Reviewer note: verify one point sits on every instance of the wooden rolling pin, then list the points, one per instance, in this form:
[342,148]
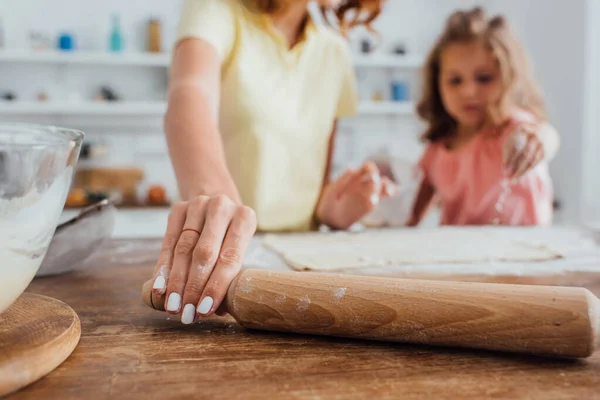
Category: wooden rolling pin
[541,320]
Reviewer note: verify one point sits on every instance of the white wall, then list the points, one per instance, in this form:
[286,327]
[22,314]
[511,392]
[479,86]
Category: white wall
[554,33]
[591,139]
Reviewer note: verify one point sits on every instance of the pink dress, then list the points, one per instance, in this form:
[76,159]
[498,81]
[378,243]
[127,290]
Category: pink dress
[469,183]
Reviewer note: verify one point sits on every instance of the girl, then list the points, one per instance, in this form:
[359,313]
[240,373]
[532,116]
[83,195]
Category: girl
[488,144]
[255,90]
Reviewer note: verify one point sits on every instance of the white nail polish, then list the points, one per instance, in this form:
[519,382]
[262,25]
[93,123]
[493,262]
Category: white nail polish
[205,305]
[374,199]
[376,179]
[174,302]
[390,191]
[188,315]
[159,283]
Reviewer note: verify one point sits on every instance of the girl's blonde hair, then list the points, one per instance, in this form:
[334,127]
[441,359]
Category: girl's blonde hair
[362,12]
[520,88]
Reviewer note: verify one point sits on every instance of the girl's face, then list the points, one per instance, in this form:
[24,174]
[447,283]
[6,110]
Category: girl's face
[470,83]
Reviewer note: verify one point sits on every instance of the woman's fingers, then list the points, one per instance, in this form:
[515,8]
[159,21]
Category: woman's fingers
[165,258]
[201,254]
[371,182]
[369,171]
[186,243]
[342,183]
[230,260]
[388,188]
[219,213]
[368,174]
[364,196]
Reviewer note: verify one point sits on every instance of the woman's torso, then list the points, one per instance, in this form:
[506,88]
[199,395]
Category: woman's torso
[276,127]
[277,111]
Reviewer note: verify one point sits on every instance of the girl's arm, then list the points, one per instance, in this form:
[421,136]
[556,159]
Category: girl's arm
[422,203]
[523,153]
[550,140]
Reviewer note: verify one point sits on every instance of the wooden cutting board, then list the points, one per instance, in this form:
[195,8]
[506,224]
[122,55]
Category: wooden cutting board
[37,333]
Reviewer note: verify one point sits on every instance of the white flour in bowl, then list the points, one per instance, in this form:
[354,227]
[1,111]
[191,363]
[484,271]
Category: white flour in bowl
[27,225]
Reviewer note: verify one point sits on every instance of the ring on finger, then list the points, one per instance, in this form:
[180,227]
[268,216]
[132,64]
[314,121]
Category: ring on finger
[191,230]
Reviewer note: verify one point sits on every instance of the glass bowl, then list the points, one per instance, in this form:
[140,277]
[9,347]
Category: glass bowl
[37,164]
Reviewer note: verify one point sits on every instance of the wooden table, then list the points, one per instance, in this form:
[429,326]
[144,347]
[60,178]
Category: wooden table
[129,351]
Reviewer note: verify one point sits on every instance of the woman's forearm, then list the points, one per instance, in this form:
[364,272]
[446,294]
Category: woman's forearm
[195,145]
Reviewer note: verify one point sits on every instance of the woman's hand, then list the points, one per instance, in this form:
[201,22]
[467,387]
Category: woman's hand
[201,254]
[352,196]
[523,150]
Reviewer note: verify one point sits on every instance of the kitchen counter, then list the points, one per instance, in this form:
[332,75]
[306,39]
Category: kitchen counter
[130,351]
[151,223]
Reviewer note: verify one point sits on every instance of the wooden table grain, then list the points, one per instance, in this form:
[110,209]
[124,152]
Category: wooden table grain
[129,351]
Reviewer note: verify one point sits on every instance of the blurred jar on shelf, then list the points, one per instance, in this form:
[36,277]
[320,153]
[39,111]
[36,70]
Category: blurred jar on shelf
[153,195]
[154,36]
[117,183]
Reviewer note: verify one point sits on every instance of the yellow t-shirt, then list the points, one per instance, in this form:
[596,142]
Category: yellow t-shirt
[277,107]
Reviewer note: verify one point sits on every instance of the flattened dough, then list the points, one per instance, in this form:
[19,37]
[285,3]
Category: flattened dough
[447,245]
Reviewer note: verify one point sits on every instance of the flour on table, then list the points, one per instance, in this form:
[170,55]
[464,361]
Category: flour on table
[447,245]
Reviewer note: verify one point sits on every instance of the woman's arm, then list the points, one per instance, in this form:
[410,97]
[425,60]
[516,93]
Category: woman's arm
[209,232]
[422,203]
[191,122]
[330,152]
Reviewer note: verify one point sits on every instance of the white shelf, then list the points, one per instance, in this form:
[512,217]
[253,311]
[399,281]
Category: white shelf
[164,59]
[83,108]
[388,61]
[387,107]
[158,108]
[85,57]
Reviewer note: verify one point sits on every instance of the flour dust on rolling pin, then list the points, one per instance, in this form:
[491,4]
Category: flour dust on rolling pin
[542,320]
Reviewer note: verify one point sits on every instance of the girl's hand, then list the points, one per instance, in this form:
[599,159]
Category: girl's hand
[422,203]
[201,254]
[352,196]
[523,150]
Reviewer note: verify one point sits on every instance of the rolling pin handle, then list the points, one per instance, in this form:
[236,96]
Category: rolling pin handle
[151,299]
[594,310]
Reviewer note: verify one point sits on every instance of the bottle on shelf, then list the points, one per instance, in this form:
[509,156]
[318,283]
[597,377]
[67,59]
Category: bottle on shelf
[66,42]
[400,91]
[116,36]
[154,36]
